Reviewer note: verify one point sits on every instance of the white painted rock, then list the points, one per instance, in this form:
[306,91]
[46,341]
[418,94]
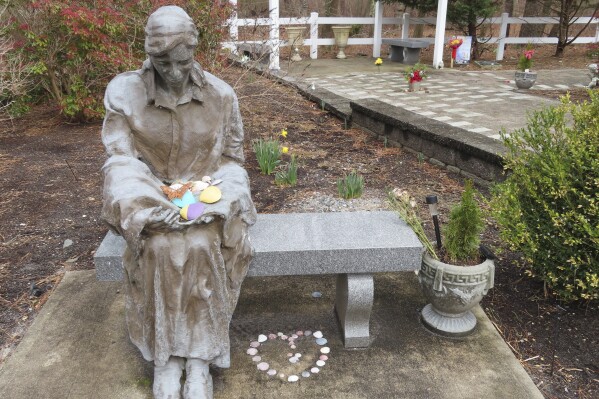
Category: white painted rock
[271,372]
[293,378]
[325,350]
[252,351]
[263,366]
[317,334]
[262,338]
[320,363]
[314,370]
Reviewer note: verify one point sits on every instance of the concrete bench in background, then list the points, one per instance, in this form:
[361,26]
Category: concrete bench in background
[352,245]
[255,51]
[406,51]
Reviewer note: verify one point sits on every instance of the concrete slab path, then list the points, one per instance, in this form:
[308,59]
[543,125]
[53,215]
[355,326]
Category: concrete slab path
[78,348]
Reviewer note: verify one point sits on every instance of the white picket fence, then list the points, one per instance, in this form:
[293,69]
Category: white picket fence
[314,20]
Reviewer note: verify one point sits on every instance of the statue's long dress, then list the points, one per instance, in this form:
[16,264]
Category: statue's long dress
[182,286]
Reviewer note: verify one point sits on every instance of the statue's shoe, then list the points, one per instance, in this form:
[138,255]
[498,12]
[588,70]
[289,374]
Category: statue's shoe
[167,379]
[198,381]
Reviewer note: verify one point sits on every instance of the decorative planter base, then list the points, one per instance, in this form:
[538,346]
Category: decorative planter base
[452,291]
[454,326]
[414,86]
[525,80]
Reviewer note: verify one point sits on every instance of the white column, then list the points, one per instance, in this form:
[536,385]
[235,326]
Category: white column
[440,34]
[233,28]
[502,36]
[313,35]
[274,43]
[378,29]
[597,31]
[405,25]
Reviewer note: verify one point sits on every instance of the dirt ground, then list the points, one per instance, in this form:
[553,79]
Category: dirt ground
[51,202]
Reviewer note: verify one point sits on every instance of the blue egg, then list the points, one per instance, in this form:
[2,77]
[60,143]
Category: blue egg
[187,199]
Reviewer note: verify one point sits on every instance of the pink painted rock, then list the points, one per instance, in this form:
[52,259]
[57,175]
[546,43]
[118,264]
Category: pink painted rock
[272,336]
[254,344]
[256,359]
[314,370]
[252,351]
[284,337]
[271,372]
[263,366]
[324,358]
[299,333]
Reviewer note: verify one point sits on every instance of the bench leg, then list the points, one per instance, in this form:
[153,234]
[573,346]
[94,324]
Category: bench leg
[354,297]
[396,53]
[411,56]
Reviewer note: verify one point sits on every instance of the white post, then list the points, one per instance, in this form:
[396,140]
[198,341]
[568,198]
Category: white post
[405,26]
[502,36]
[234,29]
[313,35]
[274,43]
[378,29]
[440,34]
[597,32]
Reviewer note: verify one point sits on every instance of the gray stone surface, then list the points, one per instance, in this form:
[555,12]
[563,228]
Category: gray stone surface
[311,243]
[406,51]
[354,294]
[108,258]
[332,242]
[77,348]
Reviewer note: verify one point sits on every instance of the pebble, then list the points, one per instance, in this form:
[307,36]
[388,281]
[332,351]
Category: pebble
[317,334]
[256,359]
[307,333]
[271,372]
[298,355]
[325,350]
[272,336]
[305,374]
[262,338]
[293,360]
[252,351]
[280,334]
[284,337]
[263,366]
[320,363]
[254,344]
[293,378]
[316,294]
[299,333]
[293,346]
[294,336]
[324,358]
[314,370]
[281,376]
[289,354]
[67,243]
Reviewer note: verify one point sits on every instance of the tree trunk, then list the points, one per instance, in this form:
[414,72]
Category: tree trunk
[533,8]
[472,32]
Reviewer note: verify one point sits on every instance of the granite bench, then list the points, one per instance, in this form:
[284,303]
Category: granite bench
[352,245]
[406,51]
[255,51]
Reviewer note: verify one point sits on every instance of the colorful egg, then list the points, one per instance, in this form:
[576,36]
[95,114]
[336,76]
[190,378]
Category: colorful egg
[210,195]
[187,199]
[192,211]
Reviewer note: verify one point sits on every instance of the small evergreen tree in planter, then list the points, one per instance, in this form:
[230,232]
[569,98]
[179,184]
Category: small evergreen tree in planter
[452,289]
[524,77]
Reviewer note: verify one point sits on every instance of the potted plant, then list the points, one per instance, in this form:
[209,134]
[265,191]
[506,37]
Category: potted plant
[457,282]
[524,77]
[414,75]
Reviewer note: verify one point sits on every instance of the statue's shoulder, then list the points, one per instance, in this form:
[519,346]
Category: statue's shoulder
[125,85]
[222,87]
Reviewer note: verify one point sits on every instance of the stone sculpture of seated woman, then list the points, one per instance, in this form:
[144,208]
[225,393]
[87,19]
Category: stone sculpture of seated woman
[172,122]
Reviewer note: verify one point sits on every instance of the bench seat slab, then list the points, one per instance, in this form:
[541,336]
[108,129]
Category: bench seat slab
[353,304]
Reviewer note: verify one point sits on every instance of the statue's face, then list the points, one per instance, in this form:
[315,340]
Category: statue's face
[174,67]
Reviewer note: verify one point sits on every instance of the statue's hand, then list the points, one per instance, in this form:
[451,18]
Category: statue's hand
[163,220]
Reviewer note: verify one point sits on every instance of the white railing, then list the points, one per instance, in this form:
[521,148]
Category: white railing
[405,21]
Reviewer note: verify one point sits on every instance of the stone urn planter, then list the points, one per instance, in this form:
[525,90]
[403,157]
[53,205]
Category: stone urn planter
[525,79]
[414,86]
[452,291]
[341,35]
[295,38]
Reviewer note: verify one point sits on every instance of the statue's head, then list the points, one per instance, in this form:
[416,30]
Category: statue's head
[171,38]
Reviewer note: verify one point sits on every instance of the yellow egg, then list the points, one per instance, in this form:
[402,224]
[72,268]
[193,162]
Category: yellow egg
[210,195]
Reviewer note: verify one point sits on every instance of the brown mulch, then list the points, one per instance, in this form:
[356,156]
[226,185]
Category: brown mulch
[50,174]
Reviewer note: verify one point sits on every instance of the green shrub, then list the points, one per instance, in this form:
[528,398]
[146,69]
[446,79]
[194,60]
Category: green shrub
[288,176]
[462,231]
[548,207]
[268,154]
[351,186]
